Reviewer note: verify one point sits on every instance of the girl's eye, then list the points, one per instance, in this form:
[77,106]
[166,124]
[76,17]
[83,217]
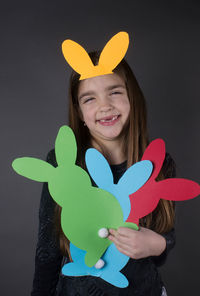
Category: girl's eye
[87,100]
[116,93]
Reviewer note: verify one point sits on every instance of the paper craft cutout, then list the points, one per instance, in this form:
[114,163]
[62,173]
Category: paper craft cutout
[134,178]
[85,208]
[145,200]
[112,54]
[114,262]
[131,181]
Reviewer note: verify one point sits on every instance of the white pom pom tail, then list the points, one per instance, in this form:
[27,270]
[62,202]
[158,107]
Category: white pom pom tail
[100,263]
[103,232]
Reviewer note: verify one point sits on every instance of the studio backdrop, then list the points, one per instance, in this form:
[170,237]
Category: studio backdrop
[164,55]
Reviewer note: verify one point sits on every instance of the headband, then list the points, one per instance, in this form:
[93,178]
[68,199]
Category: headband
[111,55]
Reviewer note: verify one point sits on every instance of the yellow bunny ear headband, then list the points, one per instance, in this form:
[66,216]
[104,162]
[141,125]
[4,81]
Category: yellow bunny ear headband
[110,57]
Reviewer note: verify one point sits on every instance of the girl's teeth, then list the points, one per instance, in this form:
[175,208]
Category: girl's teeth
[109,120]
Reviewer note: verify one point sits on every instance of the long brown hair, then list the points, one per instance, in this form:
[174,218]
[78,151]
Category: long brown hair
[136,140]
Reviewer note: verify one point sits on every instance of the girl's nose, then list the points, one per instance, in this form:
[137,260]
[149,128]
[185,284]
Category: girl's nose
[105,105]
[106,108]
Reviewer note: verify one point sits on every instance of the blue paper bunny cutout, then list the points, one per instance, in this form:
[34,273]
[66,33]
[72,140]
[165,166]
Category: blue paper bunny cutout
[134,178]
[110,272]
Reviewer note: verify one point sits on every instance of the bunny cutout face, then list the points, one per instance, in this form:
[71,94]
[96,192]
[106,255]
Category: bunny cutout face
[110,57]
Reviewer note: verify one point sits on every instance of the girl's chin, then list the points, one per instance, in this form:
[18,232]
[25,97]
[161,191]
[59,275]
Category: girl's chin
[107,136]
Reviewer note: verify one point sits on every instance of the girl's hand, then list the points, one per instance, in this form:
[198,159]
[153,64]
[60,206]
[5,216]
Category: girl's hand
[137,244]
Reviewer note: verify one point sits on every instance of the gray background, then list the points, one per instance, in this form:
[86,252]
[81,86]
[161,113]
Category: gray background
[164,54]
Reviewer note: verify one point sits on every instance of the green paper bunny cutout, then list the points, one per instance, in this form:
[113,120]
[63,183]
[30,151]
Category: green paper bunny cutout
[85,209]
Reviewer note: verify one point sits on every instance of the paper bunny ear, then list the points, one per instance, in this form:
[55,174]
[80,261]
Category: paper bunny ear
[111,56]
[114,51]
[33,168]
[98,168]
[155,152]
[177,189]
[135,177]
[65,146]
[77,57]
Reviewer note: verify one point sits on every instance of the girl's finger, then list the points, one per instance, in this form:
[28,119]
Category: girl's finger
[122,245]
[126,240]
[123,239]
[123,251]
[124,231]
[116,238]
[112,231]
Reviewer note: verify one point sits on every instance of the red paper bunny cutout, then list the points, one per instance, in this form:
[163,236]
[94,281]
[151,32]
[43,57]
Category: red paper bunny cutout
[145,200]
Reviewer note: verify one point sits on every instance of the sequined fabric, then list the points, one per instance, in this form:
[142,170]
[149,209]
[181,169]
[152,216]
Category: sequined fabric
[144,278]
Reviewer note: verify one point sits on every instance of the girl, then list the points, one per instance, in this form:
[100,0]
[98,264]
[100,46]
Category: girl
[108,113]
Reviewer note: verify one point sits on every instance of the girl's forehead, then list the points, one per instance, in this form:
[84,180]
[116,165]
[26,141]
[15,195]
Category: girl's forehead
[102,82]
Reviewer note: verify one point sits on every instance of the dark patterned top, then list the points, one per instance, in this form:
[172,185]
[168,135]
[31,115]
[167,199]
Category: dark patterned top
[142,274]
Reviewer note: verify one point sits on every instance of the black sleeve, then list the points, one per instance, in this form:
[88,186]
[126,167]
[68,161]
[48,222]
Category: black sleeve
[48,256]
[169,171]
[170,243]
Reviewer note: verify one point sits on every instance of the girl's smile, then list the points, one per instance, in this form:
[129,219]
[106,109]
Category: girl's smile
[109,120]
[104,106]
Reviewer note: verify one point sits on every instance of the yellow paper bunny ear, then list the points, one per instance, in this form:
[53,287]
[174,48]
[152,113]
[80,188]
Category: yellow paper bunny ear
[110,57]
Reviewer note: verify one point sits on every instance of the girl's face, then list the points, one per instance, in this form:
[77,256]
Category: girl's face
[104,106]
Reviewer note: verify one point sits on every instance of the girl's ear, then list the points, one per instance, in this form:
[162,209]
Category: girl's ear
[33,168]
[65,146]
[98,168]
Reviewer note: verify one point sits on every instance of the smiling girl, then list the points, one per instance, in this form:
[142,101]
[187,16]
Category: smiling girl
[104,108]
[107,112]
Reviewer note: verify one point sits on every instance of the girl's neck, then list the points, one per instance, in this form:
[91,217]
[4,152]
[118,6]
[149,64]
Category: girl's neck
[112,150]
